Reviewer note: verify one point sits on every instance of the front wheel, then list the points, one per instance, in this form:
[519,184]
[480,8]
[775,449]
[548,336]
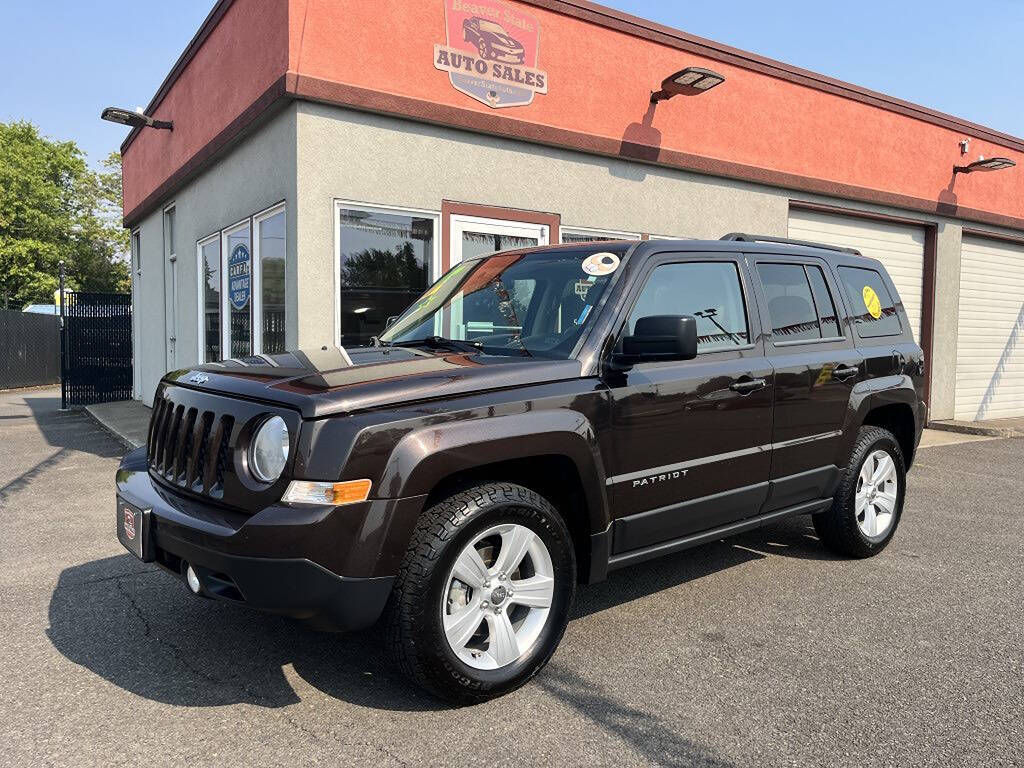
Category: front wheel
[483,596]
[869,502]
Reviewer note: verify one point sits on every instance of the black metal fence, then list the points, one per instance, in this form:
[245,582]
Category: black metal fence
[29,349]
[97,348]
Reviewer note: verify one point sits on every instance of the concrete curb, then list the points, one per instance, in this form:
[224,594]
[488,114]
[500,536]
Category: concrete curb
[113,427]
[976,428]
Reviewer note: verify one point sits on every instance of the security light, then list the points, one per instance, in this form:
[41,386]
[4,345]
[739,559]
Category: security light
[692,80]
[134,119]
[981,164]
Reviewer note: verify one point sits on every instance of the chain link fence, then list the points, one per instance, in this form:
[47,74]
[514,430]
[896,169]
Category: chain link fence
[29,349]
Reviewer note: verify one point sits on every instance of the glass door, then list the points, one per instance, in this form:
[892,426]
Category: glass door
[473,236]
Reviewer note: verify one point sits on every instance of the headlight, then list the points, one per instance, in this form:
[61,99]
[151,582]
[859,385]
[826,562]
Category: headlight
[268,452]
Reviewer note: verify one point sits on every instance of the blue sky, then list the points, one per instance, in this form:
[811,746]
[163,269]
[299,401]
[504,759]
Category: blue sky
[64,60]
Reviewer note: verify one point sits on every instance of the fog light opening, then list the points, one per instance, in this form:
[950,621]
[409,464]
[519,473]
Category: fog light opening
[192,580]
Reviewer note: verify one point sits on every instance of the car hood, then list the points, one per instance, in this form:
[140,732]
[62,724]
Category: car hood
[329,380]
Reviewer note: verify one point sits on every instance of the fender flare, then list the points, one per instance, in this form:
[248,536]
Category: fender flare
[424,457]
[872,394]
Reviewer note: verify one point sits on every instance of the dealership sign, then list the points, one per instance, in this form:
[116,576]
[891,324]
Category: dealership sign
[491,52]
[239,277]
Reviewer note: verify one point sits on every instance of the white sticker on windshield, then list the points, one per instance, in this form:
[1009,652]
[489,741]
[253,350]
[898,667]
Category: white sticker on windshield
[598,264]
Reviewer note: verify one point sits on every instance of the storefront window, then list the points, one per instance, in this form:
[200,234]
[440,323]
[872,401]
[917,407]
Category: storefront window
[238,251]
[209,266]
[271,235]
[385,260]
[569,235]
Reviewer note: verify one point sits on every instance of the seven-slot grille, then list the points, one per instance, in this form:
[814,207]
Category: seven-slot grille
[189,446]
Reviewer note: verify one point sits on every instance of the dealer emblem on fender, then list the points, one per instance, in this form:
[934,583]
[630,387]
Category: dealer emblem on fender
[491,52]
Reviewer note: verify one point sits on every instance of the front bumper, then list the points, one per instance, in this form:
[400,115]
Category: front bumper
[333,566]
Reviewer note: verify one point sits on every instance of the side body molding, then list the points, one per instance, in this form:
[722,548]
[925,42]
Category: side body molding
[425,456]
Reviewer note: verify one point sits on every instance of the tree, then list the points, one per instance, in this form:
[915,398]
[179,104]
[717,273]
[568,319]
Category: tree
[377,268]
[54,207]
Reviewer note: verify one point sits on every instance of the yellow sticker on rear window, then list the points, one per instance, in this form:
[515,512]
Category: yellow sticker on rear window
[871,302]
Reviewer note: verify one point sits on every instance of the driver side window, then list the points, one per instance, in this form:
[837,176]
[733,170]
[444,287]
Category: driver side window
[708,290]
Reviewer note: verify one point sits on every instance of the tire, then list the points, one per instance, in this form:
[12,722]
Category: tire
[484,49]
[845,529]
[429,598]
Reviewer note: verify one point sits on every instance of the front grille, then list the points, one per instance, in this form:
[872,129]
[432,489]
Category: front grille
[190,447]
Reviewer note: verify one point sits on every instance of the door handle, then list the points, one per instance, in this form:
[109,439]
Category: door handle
[844,373]
[746,386]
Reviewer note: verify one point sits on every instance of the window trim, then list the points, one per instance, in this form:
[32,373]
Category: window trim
[614,234]
[339,204]
[753,330]
[170,254]
[257,273]
[770,332]
[135,246]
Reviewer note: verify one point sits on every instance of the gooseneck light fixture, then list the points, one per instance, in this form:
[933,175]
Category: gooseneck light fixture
[981,164]
[692,80]
[134,119]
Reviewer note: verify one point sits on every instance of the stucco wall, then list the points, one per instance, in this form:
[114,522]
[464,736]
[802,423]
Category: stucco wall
[387,161]
[258,173]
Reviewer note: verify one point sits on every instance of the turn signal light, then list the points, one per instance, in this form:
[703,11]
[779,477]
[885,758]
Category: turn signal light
[336,494]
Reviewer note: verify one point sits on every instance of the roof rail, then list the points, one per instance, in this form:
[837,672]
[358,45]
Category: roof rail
[743,237]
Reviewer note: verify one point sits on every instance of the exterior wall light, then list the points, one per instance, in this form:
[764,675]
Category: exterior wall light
[981,164]
[692,80]
[134,119]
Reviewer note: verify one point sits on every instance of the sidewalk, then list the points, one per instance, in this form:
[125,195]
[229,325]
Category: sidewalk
[127,419]
[993,427]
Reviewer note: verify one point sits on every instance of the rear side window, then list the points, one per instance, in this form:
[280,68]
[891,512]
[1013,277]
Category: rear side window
[874,310]
[710,291]
[799,303]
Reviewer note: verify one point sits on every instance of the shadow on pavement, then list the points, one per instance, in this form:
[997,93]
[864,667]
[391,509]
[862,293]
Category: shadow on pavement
[73,430]
[138,627]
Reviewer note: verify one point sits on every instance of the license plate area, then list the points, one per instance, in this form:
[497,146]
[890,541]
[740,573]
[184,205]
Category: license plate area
[133,529]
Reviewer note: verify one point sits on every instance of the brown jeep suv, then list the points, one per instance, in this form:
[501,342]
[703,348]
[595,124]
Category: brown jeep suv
[536,419]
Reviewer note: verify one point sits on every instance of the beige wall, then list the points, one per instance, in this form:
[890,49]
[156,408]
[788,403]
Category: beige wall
[257,173]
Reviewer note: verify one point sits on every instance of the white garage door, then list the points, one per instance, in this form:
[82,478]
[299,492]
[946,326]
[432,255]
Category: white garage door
[899,247]
[990,338]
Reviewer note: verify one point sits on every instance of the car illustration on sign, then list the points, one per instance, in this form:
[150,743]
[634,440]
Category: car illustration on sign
[491,53]
[492,41]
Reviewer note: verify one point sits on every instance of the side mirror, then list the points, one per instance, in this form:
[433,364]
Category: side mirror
[659,338]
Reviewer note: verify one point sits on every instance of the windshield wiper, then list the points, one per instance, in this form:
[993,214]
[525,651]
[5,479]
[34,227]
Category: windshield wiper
[440,342]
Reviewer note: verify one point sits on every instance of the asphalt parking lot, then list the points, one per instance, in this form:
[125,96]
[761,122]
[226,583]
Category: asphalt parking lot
[760,650]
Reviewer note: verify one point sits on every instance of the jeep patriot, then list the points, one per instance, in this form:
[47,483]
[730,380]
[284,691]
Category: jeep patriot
[535,420]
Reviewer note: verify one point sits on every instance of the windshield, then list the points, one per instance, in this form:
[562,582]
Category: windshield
[529,304]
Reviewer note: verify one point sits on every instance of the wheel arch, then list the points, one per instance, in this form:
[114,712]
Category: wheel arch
[554,453]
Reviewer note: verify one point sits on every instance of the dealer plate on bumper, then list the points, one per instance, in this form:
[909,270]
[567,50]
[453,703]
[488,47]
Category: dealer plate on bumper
[133,526]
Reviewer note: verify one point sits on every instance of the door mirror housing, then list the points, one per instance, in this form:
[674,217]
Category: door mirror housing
[658,338]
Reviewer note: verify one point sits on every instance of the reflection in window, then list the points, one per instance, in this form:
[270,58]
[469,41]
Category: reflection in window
[790,304]
[874,311]
[710,291]
[239,290]
[209,262]
[823,303]
[384,265]
[272,265]
[578,236]
[481,243]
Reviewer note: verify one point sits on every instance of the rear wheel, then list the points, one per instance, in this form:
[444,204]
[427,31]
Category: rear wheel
[483,595]
[869,502]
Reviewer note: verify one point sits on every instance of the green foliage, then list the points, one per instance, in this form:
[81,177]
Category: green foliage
[377,268]
[54,207]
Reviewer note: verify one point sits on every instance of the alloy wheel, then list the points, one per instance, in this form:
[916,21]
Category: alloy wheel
[877,489]
[498,596]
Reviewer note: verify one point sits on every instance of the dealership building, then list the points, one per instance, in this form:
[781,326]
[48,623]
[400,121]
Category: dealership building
[329,159]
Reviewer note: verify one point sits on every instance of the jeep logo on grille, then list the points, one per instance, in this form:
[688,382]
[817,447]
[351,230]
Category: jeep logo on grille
[199,378]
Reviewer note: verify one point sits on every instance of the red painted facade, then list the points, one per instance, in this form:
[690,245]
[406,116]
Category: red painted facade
[762,123]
